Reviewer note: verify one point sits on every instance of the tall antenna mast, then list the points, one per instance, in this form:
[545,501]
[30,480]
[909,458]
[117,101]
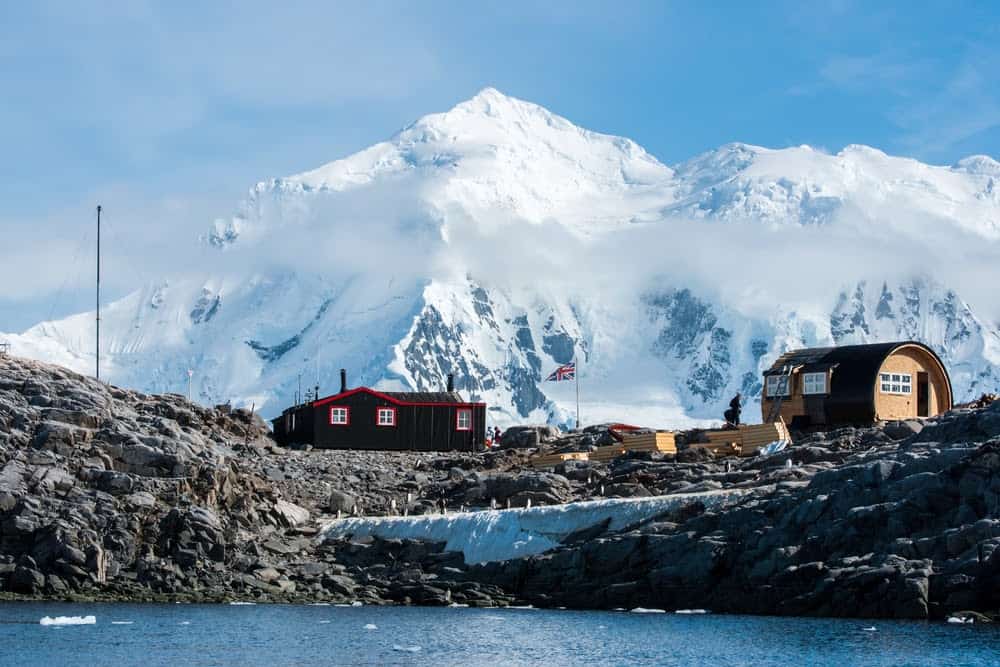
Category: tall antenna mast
[98,349]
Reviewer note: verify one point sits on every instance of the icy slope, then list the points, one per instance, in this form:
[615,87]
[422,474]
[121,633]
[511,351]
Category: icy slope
[498,240]
[498,535]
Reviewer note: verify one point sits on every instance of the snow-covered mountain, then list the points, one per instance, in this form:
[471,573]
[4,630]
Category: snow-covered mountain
[498,240]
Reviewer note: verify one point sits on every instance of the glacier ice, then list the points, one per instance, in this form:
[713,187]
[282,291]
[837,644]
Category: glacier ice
[497,535]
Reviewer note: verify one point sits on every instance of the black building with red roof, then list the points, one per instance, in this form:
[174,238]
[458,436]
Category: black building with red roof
[364,418]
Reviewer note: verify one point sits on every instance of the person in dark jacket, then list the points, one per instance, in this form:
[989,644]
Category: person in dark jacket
[732,415]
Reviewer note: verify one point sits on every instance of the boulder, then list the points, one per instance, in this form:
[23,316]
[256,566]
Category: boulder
[290,514]
[900,430]
[340,501]
[538,486]
[26,580]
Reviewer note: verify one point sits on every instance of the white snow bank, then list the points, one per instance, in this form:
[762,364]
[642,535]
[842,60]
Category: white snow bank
[960,619]
[691,611]
[496,535]
[68,620]
[644,610]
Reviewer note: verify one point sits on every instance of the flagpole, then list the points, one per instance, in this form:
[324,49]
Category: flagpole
[576,376]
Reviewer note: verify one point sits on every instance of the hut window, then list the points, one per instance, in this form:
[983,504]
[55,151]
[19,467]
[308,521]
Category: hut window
[463,420]
[386,417]
[896,383]
[340,416]
[777,385]
[814,383]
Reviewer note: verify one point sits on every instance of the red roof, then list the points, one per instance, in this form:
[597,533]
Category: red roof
[393,399]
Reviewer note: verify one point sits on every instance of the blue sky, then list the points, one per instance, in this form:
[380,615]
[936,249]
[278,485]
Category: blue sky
[168,112]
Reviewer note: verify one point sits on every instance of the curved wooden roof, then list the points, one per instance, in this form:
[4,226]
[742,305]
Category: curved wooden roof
[852,395]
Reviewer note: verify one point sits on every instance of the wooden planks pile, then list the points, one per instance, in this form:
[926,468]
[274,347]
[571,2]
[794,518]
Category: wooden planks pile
[717,448]
[658,441]
[745,441]
[605,454]
[552,460]
[756,436]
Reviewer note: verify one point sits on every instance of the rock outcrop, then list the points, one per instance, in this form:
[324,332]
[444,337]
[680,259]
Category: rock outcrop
[107,493]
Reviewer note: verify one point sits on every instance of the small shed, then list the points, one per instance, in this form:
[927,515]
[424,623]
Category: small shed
[856,384]
[363,418]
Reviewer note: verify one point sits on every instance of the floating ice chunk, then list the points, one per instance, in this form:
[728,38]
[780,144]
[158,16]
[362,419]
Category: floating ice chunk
[357,603]
[185,623]
[240,603]
[322,622]
[68,620]
[319,604]
[122,622]
[406,649]
[643,610]
[692,611]
[371,626]
[869,629]
[458,605]
[960,619]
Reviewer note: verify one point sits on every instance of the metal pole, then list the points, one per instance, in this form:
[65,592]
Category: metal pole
[576,376]
[98,347]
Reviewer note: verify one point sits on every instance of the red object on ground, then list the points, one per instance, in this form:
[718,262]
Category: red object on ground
[616,429]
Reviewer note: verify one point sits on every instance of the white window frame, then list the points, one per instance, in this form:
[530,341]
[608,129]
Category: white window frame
[336,419]
[380,412]
[898,384]
[813,383]
[775,384]
[459,414]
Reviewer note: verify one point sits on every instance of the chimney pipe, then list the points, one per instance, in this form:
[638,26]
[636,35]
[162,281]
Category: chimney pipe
[343,380]
[451,382]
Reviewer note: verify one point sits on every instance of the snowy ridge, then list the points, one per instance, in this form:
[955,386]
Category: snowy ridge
[497,240]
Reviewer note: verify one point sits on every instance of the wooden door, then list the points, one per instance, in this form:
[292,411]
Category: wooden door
[923,396]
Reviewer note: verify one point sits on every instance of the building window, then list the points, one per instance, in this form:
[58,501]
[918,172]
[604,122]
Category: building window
[463,420]
[814,383]
[340,416]
[385,417]
[896,383]
[777,385]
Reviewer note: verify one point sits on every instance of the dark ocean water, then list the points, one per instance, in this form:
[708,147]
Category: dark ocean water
[325,635]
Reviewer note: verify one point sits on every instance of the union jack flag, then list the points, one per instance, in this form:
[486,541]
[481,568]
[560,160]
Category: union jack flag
[564,372]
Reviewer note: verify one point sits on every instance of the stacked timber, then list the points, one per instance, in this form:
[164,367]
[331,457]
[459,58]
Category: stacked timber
[552,460]
[657,441]
[756,436]
[605,454]
[745,441]
[717,448]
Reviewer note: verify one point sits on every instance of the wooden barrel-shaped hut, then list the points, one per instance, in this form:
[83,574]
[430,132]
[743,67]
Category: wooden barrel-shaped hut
[856,384]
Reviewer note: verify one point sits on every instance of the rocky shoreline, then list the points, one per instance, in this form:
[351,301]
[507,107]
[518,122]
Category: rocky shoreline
[109,494]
